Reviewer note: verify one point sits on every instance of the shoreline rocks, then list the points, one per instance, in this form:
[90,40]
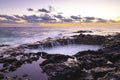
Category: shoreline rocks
[91,65]
[102,64]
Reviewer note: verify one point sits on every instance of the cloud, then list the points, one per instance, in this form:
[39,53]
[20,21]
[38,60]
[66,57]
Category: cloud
[51,8]
[76,17]
[30,9]
[31,18]
[58,16]
[101,20]
[37,19]
[7,21]
[88,19]
[112,21]
[47,18]
[11,18]
[19,17]
[43,10]
[66,20]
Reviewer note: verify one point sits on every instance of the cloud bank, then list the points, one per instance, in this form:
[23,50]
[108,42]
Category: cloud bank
[46,16]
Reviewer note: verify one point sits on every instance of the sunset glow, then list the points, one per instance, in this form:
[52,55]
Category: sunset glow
[57,12]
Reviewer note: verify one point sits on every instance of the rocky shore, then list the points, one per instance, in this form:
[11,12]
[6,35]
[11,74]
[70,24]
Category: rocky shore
[103,64]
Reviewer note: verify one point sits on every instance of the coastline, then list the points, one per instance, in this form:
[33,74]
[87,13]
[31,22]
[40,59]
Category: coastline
[102,64]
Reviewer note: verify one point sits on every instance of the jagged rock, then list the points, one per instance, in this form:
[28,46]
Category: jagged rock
[89,39]
[54,58]
[3,45]
[112,48]
[1,75]
[62,70]
[7,59]
[101,71]
[90,59]
[117,65]
[91,52]
[42,54]
[111,76]
[112,43]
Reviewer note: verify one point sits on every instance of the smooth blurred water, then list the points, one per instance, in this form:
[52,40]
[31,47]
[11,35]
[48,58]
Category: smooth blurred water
[70,49]
[20,35]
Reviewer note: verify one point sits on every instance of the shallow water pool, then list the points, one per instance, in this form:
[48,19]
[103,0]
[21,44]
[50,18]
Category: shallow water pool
[70,49]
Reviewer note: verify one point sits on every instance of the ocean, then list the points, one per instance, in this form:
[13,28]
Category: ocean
[21,35]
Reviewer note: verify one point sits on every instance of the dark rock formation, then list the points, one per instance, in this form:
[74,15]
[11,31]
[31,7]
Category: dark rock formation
[3,45]
[89,39]
[83,31]
[103,64]
[111,76]
[87,65]
[61,67]
[1,75]
[112,48]
[101,71]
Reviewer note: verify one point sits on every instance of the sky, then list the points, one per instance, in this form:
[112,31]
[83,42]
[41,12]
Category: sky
[61,10]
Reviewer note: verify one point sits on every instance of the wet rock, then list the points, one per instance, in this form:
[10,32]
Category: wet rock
[90,59]
[8,78]
[111,76]
[117,65]
[25,75]
[7,59]
[42,54]
[112,43]
[17,63]
[62,70]
[86,75]
[12,68]
[101,71]
[1,75]
[91,52]
[3,45]
[54,58]
[32,46]
[24,58]
[112,48]
[89,39]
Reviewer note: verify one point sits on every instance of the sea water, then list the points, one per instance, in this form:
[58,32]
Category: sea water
[21,35]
